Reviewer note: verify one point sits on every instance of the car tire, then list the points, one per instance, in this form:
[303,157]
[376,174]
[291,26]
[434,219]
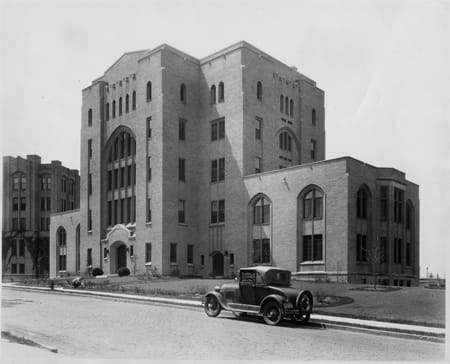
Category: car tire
[272,313]
[305,305]
[212,306]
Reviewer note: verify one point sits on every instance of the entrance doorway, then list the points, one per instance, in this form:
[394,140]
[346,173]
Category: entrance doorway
[217,266]
[121,256]
[117,256]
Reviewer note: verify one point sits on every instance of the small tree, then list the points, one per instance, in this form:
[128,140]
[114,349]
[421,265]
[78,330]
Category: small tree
[375,256]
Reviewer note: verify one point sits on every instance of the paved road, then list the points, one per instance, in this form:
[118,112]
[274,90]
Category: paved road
[103,328]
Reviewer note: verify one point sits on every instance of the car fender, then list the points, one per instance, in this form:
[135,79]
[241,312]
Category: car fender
[279,299]
[219,297]
[300,293]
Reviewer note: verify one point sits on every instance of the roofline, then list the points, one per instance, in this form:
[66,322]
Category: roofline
[169,48]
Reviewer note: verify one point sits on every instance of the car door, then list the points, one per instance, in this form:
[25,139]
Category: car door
[247,287]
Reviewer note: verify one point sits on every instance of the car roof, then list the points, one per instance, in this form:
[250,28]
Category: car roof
[263,269]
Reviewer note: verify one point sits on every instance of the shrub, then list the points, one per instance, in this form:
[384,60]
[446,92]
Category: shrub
[97,271]
[123,271]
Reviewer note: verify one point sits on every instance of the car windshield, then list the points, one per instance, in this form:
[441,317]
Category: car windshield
[278,278]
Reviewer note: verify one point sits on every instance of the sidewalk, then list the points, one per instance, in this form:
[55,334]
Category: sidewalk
[377,327]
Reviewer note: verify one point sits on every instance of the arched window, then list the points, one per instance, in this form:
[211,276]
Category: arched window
[286,105]
[260,241]
[261,211]
[313,204]
[362,203]
[114,109]
[62,249]
[291,108]
[120,177]
[120,106]
[285,141]
[183,93]
[107,111]
[89,117]
[221,92]
[281,102]
[259,91]
[134,100]
[149,91]
[313,117]
[212,95]
[127,103]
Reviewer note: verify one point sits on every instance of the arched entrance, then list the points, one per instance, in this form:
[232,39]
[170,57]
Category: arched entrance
[117,256]
[217,264]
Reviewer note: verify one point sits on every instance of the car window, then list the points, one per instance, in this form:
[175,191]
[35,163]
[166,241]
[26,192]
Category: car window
[248,278]
[278,278]
[259,279]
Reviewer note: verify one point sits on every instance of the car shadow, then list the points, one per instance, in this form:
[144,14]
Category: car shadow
[287,323]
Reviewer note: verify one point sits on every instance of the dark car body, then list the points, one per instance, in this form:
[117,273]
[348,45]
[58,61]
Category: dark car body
[262,290]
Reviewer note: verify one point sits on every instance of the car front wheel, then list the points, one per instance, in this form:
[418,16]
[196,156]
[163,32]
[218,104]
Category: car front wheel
[212,306]
[272,313]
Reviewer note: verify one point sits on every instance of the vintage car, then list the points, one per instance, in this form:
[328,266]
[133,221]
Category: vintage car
[261,290]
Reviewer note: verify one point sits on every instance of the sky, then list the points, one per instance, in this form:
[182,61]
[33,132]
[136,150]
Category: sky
[384,67]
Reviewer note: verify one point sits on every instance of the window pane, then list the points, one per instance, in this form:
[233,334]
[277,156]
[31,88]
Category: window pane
[307,248]
[307,208]
[256,251]
[318,206]
[318,247]
[266,214]
[266,251]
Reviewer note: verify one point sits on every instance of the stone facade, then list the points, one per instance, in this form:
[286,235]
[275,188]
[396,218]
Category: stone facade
[32,191]
[177,151]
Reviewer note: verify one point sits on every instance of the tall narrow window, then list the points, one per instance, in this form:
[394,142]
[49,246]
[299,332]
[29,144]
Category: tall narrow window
[149,91]
[90,183]
[120,106]
[383,203]
[214,212]
[221,128]
[361,248]
[190,254]
[134,100]
[258,165]
[181,129]
[361,203]
[90,117]
[89,148]
[149,210]
[127,103]
[181,169]
[398,205]
[281,103]
[23,183]
[214,170]
[173,252]
[261,211]
[114,109]
[107,111]
[221,92]
[149,127]
[383,250]
[313,117]
[62,249]
[221,169]
[89,222]
[183,93]
[286,105]
[15,204]
[291,108]
[148,252]
[221,211]
[313,145]
[261,251]
[258,128]
[313,205]
[181,211]
[259,91]
[149,168]
[212,95]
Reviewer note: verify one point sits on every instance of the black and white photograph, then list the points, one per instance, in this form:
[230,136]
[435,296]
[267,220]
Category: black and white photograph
[224,180]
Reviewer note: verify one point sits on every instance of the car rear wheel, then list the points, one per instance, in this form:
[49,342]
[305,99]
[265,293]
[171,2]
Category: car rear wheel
[272,313]
[305,304]
[212,306]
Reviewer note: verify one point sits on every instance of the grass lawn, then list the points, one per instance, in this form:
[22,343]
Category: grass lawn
[405,305]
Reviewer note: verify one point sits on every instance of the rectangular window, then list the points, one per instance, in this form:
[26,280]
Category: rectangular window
[109,213]
[182,129]
[397,251]
[90,183]
[14,248]
[214,212]
[42,223]
[221,210]
[214,170]
[361,248]
[258,128]
[23,204]
[16,183]
[313,149]
[149,168]
[23,223]
[49,203]
[221,128]
[131,251]
[110,180]
[231,259]
[202,259]
[398,205]
[122,210]
[89,148]
[257,165]
[190,254]
[129,175]
[47,227]
[15,204]
[21,248]
[89,257]
[408,253]
[148,252]
[15,223]
[181,169]
[23,183]
[89,222]
[105,253]
[116,178]
[122,177]
[214,131]
[221,169]
[312,247]
[218,129]
[173,252]
[261,251]
[383,203]
[149,210]
[21,268]
[149,127]
[181,211]
[14,268]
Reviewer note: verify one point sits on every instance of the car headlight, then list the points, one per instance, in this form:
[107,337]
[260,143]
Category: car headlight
[217,288]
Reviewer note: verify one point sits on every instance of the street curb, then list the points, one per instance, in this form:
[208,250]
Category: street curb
[20,339]
[329,321]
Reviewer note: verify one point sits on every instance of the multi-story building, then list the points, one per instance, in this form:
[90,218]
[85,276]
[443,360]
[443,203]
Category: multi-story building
[199,167]
[32,191]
